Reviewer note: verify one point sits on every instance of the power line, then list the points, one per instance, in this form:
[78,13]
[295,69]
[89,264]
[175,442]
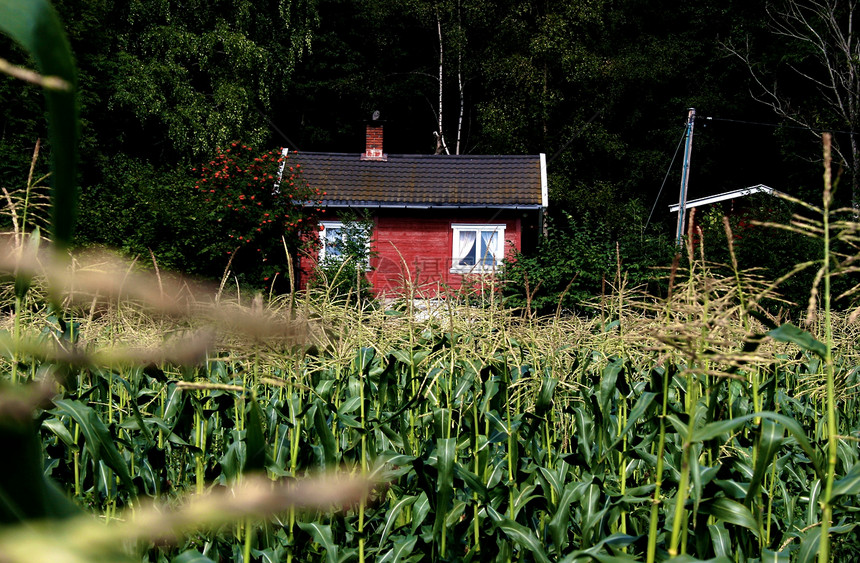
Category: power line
[668,170]
[577,134]
[278,131]
[780,125]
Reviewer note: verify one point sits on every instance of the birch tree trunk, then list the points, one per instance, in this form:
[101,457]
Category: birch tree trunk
[460,84]
[440,133]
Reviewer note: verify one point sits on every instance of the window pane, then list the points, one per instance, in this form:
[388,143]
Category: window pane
[488,247]
[468,249]
[333,238]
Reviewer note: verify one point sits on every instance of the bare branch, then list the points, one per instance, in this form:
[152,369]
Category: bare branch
[826,28]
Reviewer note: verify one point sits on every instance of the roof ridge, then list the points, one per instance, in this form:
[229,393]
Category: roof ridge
[420,156]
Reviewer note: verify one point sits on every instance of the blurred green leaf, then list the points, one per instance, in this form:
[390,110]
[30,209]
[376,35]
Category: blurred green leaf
[848,485]
[23,280]
[776,556]
[191,556]
[35,25]
[25,492]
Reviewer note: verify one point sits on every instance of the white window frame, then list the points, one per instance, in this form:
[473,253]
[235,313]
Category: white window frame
[326,225]
[478,229]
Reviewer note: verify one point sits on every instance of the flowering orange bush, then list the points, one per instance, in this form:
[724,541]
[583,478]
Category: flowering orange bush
[254,200]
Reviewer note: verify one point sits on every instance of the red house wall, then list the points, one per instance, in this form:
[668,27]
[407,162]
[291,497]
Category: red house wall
[420,248]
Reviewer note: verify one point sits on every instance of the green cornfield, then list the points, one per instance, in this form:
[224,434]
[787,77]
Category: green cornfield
[685,428]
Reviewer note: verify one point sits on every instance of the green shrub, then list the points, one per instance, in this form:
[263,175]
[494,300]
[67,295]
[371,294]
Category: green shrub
[577,261]
[768,252]
[342,272]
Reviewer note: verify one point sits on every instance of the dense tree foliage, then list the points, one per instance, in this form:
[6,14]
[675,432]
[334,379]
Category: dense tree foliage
[601,87]
[164,85]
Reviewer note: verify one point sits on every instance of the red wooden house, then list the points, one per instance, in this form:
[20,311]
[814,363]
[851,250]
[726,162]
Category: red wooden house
[437,220]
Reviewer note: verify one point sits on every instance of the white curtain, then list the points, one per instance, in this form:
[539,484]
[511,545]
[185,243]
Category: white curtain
[466,248]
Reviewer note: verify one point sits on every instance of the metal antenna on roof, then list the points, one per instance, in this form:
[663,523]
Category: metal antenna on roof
[375,115]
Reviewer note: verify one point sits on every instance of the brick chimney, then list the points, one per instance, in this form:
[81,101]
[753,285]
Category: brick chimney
[373,140]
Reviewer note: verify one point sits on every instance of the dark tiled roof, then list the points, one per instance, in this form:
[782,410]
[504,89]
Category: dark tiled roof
[423,180]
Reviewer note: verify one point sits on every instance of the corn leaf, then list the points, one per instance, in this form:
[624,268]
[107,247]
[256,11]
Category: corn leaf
[770,439]
[402,548]
[791,334]
[520,535]
[419,511]
[255,440]
[97,438]
[545,394]
[322,534]
[720,540]
[733,512]
[392,514]
[775,556]
[326,437]
[808,551]
[558,525]
[446,453]
[714,429]
[848,485]
[607,389]
[25,493]
[191,556]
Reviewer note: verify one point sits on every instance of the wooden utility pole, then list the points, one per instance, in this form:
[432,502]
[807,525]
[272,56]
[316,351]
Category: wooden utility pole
[685,175]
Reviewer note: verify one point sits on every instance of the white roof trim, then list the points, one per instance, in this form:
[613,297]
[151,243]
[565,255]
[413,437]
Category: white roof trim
[544,185]
[758,188]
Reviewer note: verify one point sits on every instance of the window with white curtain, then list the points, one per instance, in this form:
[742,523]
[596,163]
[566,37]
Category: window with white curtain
[477,248]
